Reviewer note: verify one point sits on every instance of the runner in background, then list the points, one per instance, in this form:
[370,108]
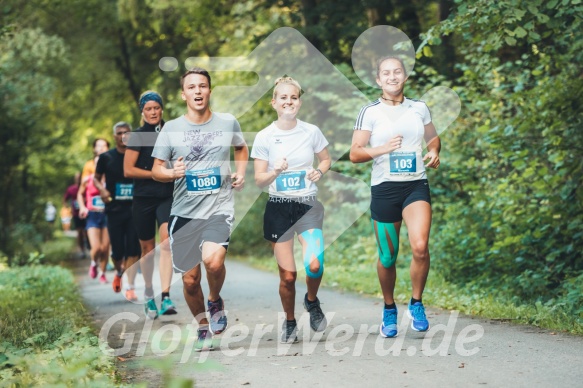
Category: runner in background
[66,215]
[50,213]
[117,194]
[151,204]
[70,199]
[91,208]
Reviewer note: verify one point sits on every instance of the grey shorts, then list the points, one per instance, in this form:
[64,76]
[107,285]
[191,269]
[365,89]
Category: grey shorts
[187,236]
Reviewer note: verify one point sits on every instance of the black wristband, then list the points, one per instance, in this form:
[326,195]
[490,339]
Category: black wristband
[320,171]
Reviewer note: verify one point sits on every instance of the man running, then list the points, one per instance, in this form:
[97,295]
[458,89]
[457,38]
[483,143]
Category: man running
[197,145]
[117,194]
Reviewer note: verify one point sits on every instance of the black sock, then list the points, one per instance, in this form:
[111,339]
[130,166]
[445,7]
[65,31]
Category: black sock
[291,322]
[310,302]
[390,306]
[413,301]
[165,295]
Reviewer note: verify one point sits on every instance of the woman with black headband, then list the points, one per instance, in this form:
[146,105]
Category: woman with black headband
[152,202]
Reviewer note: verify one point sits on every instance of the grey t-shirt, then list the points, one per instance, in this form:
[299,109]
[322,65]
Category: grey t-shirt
[206,188]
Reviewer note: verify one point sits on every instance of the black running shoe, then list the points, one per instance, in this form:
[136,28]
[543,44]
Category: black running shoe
[289,332]
[317,318]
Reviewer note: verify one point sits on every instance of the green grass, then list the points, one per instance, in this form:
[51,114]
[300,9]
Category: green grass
[58,249]
[44,338]
[357,273]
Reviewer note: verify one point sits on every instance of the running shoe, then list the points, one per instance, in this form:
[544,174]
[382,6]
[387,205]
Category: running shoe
[103,279]
[204,340]
[317,318]
[289,332]
[218,321]
[167,307]
[116,284]
[419,321]
[131,295]
[388,328]
[93,270]
[150,309]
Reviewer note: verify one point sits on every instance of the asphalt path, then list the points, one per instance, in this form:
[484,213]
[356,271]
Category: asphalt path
[458,351]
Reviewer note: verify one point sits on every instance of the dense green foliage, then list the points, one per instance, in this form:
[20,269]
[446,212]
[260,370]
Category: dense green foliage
[45,340]
[511,201]
[507,199]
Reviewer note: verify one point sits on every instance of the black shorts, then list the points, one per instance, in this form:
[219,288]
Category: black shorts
[285,216]
[388,199]
[187,236]
[147,211]
[122,235]
[79,223]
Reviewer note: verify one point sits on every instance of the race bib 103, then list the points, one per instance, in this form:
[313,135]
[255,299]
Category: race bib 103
[403,162]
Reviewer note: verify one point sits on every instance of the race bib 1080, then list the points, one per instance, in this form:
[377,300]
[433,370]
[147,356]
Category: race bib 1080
[203,182]
[290,181]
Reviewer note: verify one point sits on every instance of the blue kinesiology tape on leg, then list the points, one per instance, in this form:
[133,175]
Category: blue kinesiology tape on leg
[314,239]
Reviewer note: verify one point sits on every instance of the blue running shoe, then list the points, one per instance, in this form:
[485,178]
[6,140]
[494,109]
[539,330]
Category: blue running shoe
[218,321]
[204,340]
[167,307]
[388,328]
[150,309]
[417,314]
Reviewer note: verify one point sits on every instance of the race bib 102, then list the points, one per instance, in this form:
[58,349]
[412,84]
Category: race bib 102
[290,181]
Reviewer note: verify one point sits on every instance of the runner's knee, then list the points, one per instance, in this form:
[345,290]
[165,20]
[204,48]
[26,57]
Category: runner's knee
[288,278]
[191,280]
[419,250]
[214,267]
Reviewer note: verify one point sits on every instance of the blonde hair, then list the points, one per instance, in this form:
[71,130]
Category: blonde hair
[285,80]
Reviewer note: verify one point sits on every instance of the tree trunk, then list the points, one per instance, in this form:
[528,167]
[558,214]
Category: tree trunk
[124,64]
[311,18]
[446,65]
[377,12]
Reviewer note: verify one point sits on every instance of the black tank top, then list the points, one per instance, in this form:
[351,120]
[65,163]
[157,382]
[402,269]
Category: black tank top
[148,187]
